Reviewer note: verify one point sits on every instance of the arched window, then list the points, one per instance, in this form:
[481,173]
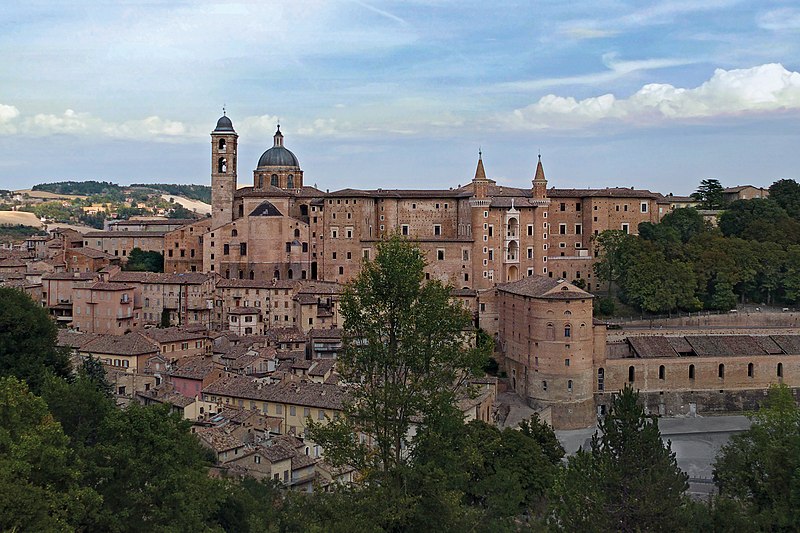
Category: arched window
[274,180]
[691,371]
[567,331]
[305,247]
[289,274]
[261,181]
[721,371]
[631,373]
[296,233]
[780,370]
[662,372]
[569,385]
[567,312]
[544,386]
[290,181]
[227,274]
[551,332]
[234,233]
[222,165]
[276,275]
[221,145]
[252,275]
[601,379]
[750,372]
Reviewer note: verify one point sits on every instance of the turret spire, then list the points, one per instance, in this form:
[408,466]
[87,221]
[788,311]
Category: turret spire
[539,181]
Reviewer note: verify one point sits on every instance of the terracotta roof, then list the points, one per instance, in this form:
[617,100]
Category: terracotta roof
[714,345]
[608,192]
[91,253]
[321,367]
[268,191]
[544,287]
[73,339]
[153,222]
[399,193]
[105,286]
[320,287]
[122,234]
[301,460]
[194,367]
[706,345]
[173,334]
[285,335]
[256,284]
[171,397]
[790,344]
[219,439]
[326,333]
[317,395]
[277,452]
[12,262]
[129,344]
[245,311]
[77,276]
[648,346]
[188,278]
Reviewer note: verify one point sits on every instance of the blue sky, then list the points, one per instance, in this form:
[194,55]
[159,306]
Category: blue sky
[655,95]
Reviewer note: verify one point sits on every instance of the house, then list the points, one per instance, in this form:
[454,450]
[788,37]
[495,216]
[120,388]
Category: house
[193,373]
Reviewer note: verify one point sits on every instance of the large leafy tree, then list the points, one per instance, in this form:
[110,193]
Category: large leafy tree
[760,468]
[407,353]
[710,194]
[759,219]
[614,252]
[39,476]
[28,340]
[628,481]
[786,193]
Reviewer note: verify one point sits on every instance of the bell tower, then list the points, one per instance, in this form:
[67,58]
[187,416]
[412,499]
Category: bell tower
[539,182]
[223,171]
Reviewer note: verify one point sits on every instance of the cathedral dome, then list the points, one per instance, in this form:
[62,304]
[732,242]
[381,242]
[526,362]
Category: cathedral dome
[278,155]
[224,124]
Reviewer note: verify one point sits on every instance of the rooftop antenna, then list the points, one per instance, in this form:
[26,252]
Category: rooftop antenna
[223,110]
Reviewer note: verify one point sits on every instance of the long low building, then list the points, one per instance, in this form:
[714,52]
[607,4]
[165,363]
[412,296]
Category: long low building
[560,359]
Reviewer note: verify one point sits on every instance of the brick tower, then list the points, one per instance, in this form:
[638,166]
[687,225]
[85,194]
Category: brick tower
[223,171]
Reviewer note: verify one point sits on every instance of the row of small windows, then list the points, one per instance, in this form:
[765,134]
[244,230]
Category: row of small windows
[662,373]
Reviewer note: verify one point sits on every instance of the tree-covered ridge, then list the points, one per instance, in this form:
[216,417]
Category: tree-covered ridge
[193,192]
[82,188]
[683,263]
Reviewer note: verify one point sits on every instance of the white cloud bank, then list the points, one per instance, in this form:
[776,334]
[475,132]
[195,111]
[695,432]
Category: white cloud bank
[765,88]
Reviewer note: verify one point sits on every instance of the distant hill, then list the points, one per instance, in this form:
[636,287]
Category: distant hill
[193,192]
[83,188]
[92,187]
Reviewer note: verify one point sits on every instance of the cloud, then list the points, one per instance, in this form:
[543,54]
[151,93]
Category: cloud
[760,89]
[588,33]
[75,123]
[780,19]
[616,69]
[7,115]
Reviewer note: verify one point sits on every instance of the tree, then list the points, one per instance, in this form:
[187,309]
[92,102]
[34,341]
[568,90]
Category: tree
[543,434]
[688,222]
[760,468]
[786,193]
[151,472]
[28,340]
[39,477]
[406,355]
[141,261]
[628,481]
[710,194]
[656,285]
[613,251]
[761,220]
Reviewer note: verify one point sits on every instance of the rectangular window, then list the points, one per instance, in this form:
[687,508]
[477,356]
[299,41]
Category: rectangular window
[577,207]
[404,228]
[530,253]
[530,229]
[625,227]
[226,249]
[292,410]
[349,233]
[437,229]
[562,206]
[491,231]
[440,255]
[465,255]
[562,229]
[243,248]
[644,207]
[578,229]
[491,254]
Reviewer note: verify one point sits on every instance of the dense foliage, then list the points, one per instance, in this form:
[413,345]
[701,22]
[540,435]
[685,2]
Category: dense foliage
[193,192]
[141,261]
[683,263]
[82,188]
[18,232]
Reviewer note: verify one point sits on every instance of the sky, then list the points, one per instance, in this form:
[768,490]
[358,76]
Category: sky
[652,95]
